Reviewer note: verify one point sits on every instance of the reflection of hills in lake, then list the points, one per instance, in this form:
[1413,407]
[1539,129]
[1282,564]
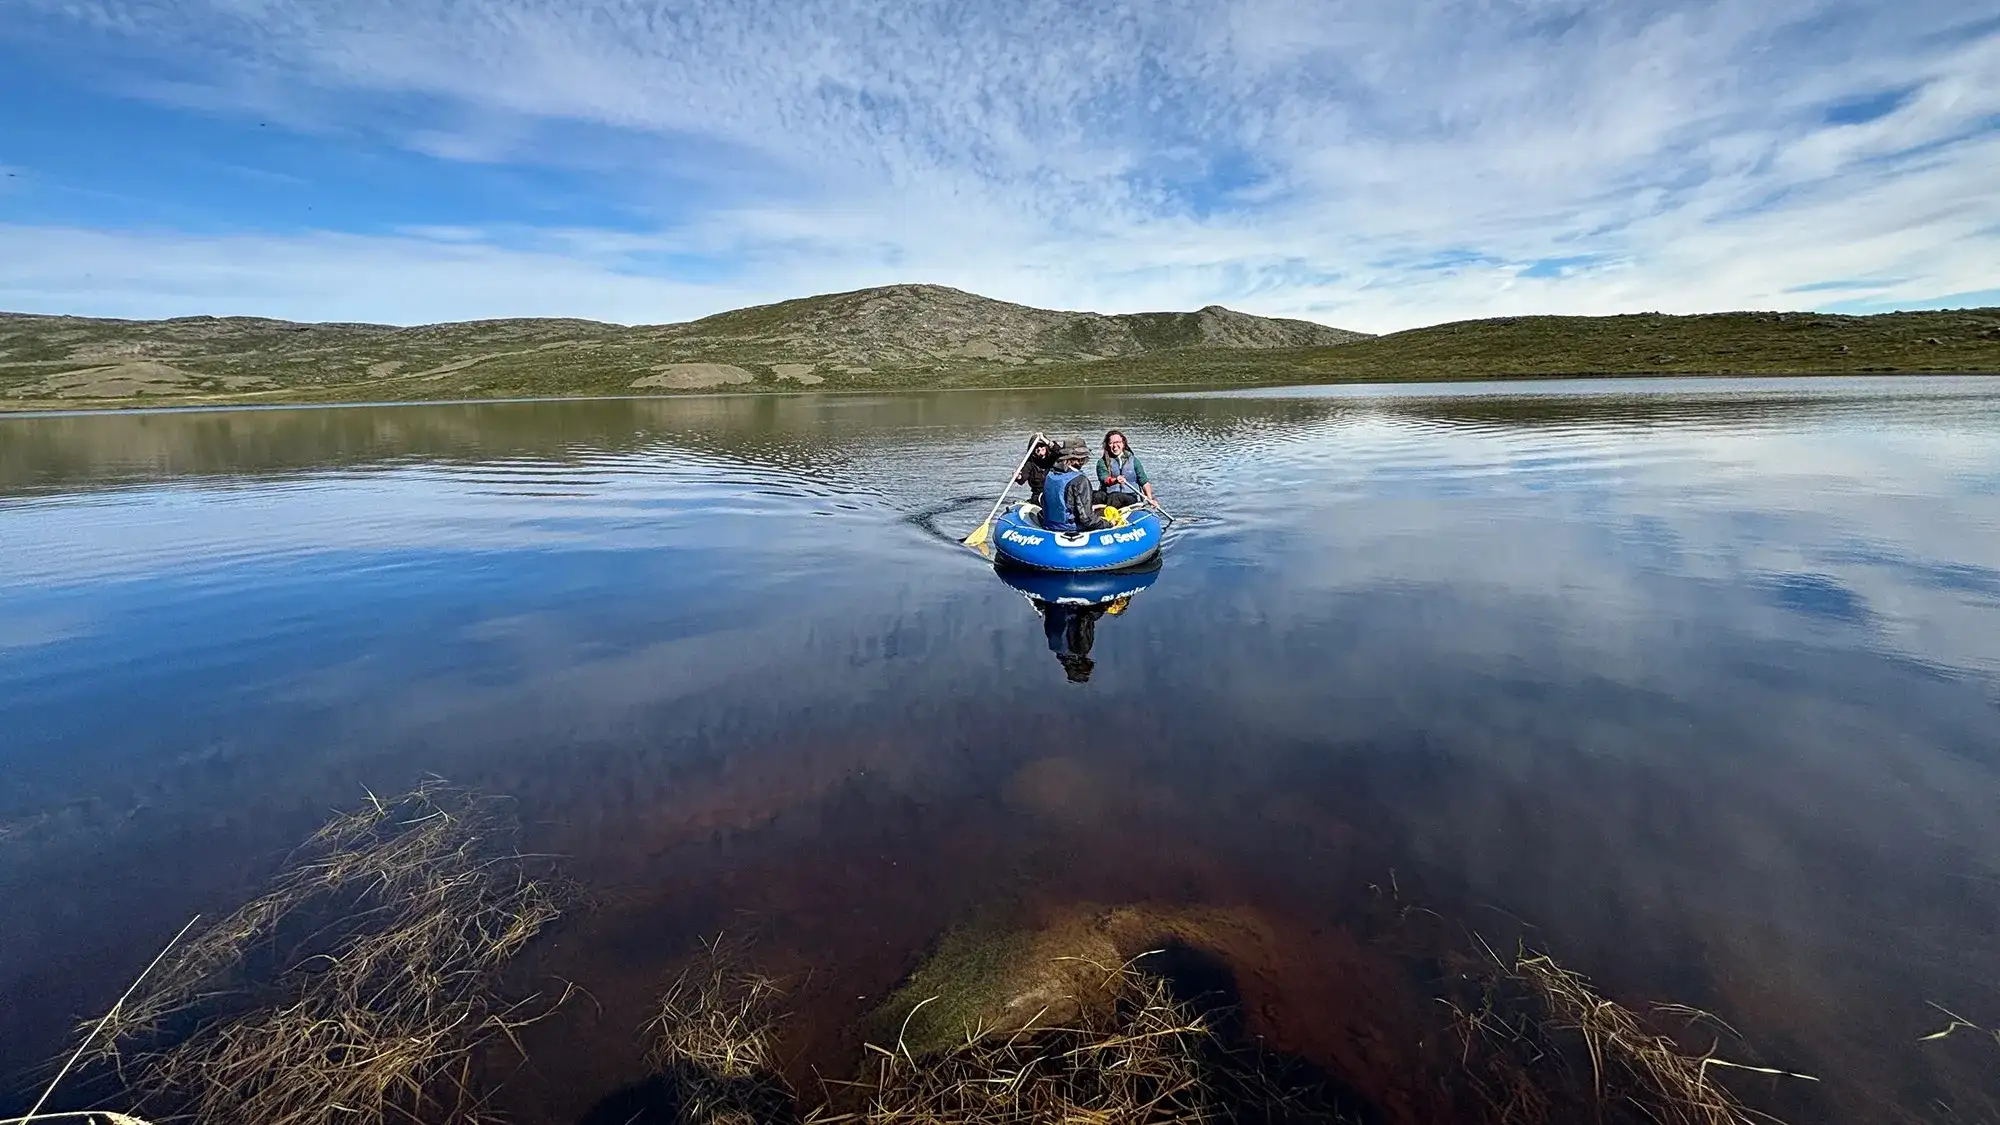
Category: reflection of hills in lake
[793,434]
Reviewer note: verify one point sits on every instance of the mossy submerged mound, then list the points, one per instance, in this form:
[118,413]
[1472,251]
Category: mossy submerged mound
[993,976]
[984,978]
[1063,1022]
[1131,1046]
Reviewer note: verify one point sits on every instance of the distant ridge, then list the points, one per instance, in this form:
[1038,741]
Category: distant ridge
[894,333]
[896,325]
[920,337]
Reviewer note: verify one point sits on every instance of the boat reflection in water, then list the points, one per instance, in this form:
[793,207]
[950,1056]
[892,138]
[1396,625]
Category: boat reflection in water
[1071,604]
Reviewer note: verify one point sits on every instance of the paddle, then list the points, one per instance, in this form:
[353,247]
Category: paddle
[985,527]
[1144,502]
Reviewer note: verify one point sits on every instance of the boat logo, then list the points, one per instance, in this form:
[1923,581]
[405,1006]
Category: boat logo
[1131,536]
[1012,536]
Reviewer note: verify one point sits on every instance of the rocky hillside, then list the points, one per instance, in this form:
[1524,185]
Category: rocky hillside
[922,336]
[899,335]
[906,325]
[1964,341]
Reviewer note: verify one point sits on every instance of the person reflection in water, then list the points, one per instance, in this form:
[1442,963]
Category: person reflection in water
[1071,630]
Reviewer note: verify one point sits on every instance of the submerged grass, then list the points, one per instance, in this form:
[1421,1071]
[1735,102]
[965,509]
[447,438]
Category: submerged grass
[79,1117]
[1526,1041]
[1150,1058]
[358,987]
[1541,1044]
[91,1039]
[719,1017]
[1959,1023]
[1653,1069]
[715,1041]
[1151,1061]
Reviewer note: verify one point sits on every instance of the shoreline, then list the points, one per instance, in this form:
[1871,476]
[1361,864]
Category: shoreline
[68,409]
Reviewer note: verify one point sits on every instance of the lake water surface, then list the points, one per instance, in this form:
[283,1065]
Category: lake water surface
[1694,683]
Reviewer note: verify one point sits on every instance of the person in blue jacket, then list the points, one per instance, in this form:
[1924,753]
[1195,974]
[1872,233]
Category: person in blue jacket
[1067,496]
[1120,476]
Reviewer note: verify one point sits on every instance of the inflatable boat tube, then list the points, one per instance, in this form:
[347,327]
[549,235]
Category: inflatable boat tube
[1019,539]
[1090,588]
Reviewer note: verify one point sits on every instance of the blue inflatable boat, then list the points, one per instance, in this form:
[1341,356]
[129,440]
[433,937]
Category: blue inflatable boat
[1019,539]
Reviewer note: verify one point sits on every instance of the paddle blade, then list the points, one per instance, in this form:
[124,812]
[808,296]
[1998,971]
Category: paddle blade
[979,534]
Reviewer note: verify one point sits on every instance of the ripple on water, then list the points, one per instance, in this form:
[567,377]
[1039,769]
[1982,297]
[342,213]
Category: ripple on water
[1696,678]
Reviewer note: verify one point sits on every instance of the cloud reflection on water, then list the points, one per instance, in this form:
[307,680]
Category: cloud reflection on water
[1703,687]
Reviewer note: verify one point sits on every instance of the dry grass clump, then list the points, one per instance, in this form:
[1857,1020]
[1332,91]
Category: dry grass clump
[77,1117]
[1517,1055]
[1959,1023]
[715,1039]
[1673,1085]
[1148,1063]
[357,988]
[1149,1059]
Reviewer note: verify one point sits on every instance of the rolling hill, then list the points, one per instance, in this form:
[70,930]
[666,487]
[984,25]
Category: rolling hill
[900,335]
[920,336]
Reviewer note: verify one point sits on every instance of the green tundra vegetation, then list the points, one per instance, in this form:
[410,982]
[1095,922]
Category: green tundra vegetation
[921,337]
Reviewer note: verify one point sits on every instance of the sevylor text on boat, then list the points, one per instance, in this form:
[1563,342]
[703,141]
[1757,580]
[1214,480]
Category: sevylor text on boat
[1019,539]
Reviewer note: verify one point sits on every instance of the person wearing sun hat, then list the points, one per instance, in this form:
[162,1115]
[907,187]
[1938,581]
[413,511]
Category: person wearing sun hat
[1066,494]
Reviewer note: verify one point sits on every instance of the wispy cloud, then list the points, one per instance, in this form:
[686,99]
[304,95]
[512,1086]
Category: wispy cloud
[415,277]
[1368,162]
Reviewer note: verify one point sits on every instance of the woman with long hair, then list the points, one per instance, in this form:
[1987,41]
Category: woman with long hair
[1121,477]
[1041,461]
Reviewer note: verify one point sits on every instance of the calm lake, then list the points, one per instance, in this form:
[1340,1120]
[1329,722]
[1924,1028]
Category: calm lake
[1695,684]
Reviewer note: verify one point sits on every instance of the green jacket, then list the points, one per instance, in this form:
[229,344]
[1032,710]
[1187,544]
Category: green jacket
[1128,466]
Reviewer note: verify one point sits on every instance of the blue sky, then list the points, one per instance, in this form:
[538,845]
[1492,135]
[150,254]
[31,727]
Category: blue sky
[1376,164]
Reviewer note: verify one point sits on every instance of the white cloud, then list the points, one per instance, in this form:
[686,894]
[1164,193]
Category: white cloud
[1311,157]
